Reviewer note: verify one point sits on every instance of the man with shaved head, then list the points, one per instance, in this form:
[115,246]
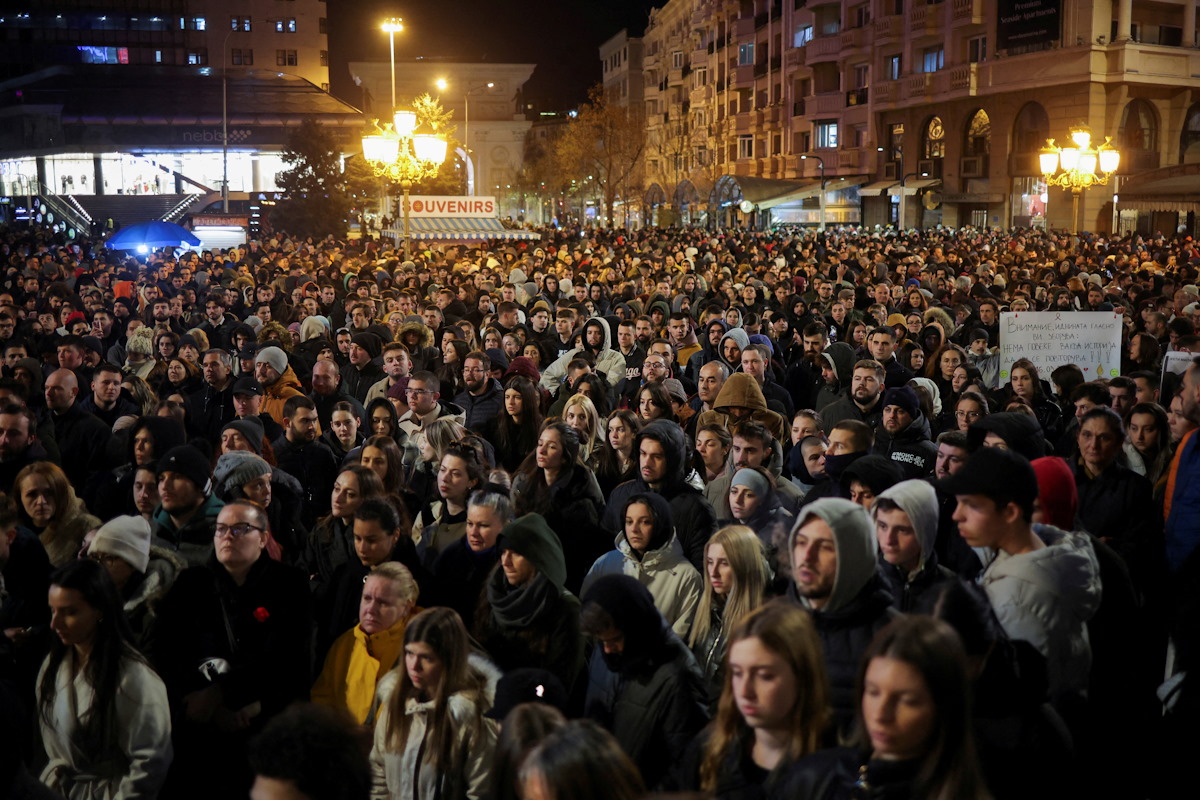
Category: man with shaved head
[82,438]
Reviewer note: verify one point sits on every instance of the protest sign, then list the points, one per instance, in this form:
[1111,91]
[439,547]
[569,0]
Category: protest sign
[1091,340]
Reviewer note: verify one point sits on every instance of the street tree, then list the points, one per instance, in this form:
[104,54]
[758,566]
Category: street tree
[603,145]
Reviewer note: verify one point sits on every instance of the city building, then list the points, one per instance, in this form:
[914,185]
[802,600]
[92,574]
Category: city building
[918,113]
[621,67]
[289,37]
[488,113]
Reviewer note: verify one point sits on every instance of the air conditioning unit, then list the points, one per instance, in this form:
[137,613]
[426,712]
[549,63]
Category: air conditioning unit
[891,171]
[925,167]
[971,167]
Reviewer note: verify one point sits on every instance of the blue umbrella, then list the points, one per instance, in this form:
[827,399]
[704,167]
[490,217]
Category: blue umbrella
[151,234]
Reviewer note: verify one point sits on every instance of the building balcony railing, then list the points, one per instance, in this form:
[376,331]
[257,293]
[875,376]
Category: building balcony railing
[794,57]
[743,77]
[965,77]
[856,97]
[918,86]
[824,48]
[918,14]
[743,27]
[967,12]
[826,103]
[853,38]
[888,28]
[849,159]
[886,92]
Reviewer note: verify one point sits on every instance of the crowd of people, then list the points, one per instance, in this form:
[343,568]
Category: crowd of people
[739,514]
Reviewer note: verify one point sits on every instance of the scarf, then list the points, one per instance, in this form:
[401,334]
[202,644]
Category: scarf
[520,606]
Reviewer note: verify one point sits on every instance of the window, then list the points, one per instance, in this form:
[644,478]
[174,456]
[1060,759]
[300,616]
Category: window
[324,58]
[862,15]
[827,133]
[198,58]
[746,54]
[802,36]
[933,58]
[894,69]
[240,24]
[198,24]
[323,25]
[677,59]
[700,77]
[285,58]
[745,146]
[158,57]
[803,142]
[241,57]
[977,49]
[285,25]
[862,74]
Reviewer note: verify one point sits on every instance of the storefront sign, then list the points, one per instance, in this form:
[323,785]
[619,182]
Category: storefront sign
[453,206]
[1091,340]
[1024,23]
[219,220]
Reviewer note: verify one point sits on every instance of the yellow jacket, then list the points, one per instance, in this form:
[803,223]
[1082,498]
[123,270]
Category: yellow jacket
[355,664]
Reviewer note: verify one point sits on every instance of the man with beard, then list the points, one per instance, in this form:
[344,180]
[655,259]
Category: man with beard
[863,403]
[483,397]
[903,435]
[597,345]
[362,372]
[644,685]
[310,461]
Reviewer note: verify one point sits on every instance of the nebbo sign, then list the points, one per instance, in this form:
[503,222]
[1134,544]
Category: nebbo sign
[451,206]
[1091,340]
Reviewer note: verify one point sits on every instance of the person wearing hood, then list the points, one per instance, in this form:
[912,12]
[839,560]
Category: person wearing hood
[713,332]
[143,573]
[754,502]
[753,446]
[110,494]
[849,441]
[644,685]
[1044,583]
[904,435]
[868,477]
[740,399]
[837,369]
[362,372]
[597,344]
[663,465]
[531,619]
[277,379]
[730,348]
[418,338]
[906,525]
[682,337]
[649,551]
[834,576]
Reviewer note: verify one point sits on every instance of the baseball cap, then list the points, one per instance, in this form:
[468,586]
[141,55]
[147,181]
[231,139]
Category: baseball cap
[247,385]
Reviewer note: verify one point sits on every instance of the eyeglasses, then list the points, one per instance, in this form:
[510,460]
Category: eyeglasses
[236,531]
[418,391]
[968,414]
[474,371]
[104,558]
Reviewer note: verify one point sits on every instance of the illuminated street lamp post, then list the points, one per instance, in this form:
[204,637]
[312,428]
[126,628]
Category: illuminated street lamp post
[391,27]
[821,164]
[443,84]
[1078,166]
[404,156]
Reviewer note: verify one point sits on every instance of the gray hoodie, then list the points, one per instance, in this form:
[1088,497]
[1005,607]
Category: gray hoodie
[918,500]
[854,540]
[743,341]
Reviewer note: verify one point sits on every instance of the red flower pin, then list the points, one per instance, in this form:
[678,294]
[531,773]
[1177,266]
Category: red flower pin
[261,614]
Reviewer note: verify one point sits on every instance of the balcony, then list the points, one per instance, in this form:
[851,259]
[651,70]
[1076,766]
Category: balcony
[967,12]
[743,28]
[743,77]
[824,48]
[853,38]
[965,78]
[826,103]
[849,159]
[772,115]
[888,28]
[760,21]
[794,57]
[886,92]
[798,108]
[856,97]
[919,86]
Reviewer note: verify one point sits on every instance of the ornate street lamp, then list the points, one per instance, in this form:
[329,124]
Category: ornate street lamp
[1078,167]
[396,151]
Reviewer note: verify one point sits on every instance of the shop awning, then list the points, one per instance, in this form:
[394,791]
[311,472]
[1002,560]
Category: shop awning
[1172,188]
[914,186]
[876,189]
[458,228]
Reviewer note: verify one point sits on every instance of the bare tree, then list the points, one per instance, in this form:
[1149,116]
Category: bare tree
[604,145]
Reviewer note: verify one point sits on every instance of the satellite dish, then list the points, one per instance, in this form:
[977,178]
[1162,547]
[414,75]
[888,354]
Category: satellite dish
[746,206]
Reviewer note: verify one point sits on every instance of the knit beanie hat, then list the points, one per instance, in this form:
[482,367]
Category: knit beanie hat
[141,341]
[128,538]
[251,429]
[275,357]
[237,468]
[369,342]
[905,398]
[188,462]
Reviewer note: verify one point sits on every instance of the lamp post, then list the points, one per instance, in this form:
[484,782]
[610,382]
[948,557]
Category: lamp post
[225,121]
[904,178]
[391,27]
[1076,166]
[820,163]
[398,152]
[443,84]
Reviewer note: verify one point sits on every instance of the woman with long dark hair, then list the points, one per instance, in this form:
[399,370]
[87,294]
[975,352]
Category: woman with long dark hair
[331,542]
[615,461]
[103,712]
[1149,435]
[515,429]
[915,737]
[432,739]
[1025,383]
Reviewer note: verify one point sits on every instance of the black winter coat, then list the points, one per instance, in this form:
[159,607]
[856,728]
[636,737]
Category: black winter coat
[910,448]
[572,508]
[316,467]
[920,594]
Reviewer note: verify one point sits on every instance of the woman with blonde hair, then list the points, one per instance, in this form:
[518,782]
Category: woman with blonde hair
[47,505]
[432,738]
[736,576]
[363,655]
[580,413]
[774,707]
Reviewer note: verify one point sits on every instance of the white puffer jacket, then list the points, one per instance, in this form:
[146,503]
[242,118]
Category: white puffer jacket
[673,582]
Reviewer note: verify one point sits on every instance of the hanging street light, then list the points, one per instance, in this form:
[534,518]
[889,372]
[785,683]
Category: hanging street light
[1079,166]
[396,151]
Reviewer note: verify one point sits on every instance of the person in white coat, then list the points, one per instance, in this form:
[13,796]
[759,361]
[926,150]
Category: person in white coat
[103,712]
[649,551]
[597,343]
[1044,583]
[432,739]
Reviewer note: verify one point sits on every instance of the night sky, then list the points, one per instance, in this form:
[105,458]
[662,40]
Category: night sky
[560,36]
